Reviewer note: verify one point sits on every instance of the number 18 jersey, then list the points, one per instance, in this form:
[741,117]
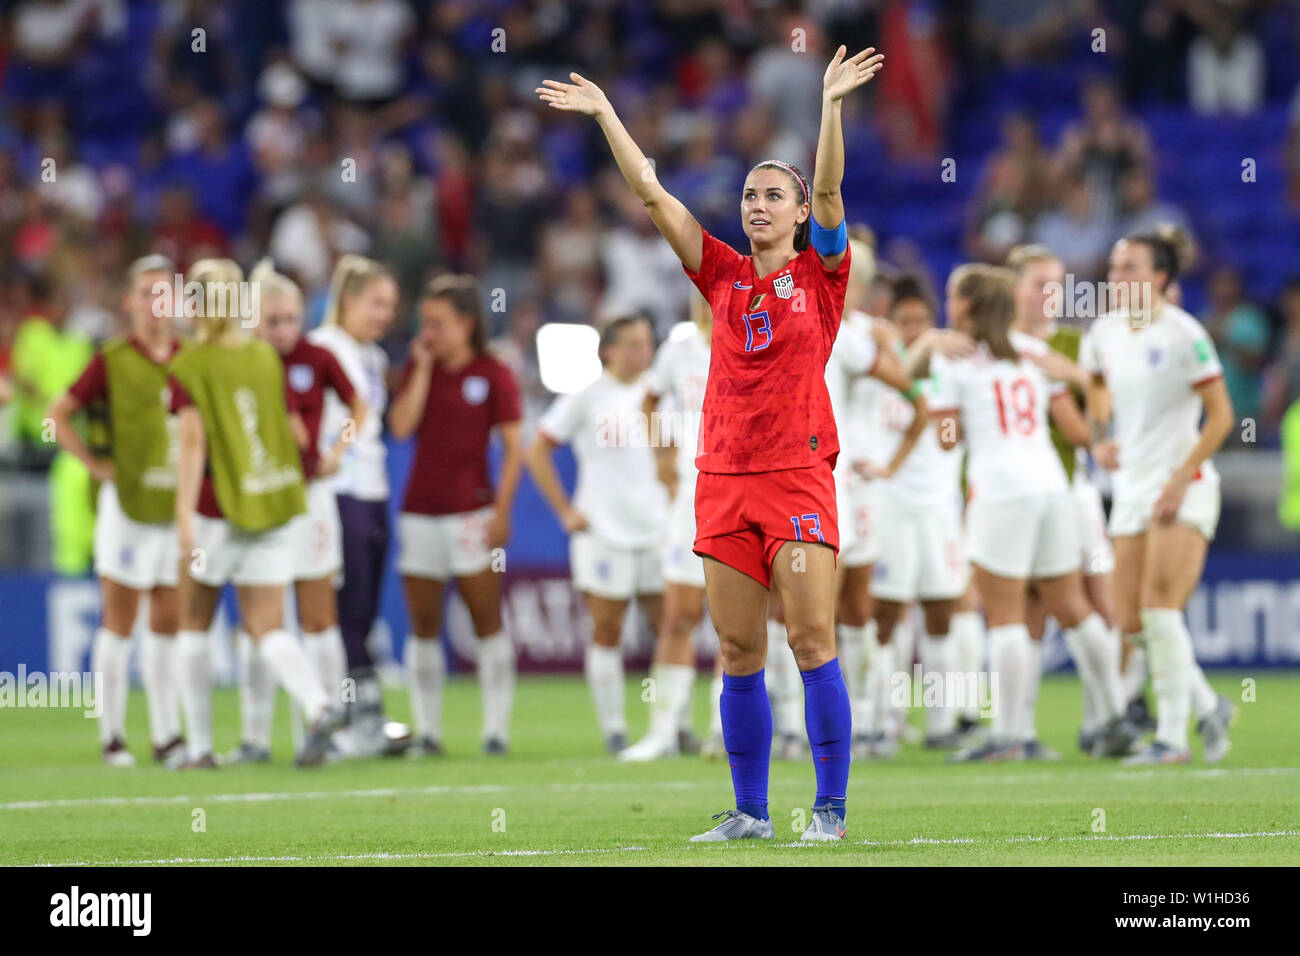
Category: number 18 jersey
[1004,416]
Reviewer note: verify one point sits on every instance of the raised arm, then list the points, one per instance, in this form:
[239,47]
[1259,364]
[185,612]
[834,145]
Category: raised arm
[842,77]
[671,218]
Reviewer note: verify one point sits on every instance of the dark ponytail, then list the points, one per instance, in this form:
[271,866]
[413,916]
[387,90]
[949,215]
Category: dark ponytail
[1172,250]
[801,231]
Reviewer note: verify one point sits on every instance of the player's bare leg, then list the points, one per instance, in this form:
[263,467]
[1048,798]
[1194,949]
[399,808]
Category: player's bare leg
[803,573]
[739,607]
[108,659]
[604,669]
[426,667]
[496,656]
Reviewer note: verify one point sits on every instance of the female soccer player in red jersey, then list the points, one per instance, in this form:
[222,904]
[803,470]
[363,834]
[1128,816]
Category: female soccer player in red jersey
[452,395]
[765,498]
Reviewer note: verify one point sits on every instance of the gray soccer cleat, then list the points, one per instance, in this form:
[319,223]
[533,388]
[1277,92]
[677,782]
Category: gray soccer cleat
[688,744]
[246,753]
[1213,729]
[1157,753]
[1035,749]
[425,747]
[317,746]
[1116,739]
[990,751]
[616,743]
[825,825]
[736,826]
[495,747]
[951,740]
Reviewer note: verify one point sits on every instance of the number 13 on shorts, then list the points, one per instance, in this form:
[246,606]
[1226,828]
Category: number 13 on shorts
[810,523]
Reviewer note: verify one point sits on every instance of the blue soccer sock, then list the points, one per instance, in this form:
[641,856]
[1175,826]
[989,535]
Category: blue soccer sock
[747,733]
[829,717]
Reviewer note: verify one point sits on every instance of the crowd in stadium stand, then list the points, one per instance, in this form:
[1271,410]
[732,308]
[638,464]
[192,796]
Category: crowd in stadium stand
[409,131]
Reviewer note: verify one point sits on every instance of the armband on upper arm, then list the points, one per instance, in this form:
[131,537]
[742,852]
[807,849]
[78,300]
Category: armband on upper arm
[828,242]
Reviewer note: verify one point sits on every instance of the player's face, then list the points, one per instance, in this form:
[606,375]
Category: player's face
[372,309]
[1033,289]
[1132,273]
[771,205]
[912,317]
[444,329]
[147,309]
[632,352]
[281,323]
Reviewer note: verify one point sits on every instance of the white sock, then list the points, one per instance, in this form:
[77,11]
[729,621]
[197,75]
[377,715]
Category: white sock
[880,675]
[715,706]
[496,679]
[604,667]
[686,699]
[857,651]
[1204,699]
[109,657]
[1010,661]
[672,683]
[1169,651]
[1093,708]
[256,692]
[325,648]
[1029,721]
[426,670]
[1135,676]
[1100,646]
[194,668]
[937,653]
[784,685]
[158,667]
[966,631]
[288,660]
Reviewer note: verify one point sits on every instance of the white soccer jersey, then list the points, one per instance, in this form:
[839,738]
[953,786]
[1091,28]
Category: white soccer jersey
[1152,373]
[618,491]
[681,370]
[363,471]
[853,357]
[929,476]
[1004,417]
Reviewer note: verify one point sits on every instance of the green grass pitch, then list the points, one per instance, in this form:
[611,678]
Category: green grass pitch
[557,799]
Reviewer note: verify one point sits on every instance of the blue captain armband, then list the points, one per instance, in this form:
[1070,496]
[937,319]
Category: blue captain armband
[828,242]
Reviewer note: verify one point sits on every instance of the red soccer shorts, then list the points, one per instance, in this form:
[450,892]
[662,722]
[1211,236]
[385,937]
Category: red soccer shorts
[743,520]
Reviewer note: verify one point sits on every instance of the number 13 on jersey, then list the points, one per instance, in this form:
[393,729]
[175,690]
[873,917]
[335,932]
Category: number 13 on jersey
[757,324]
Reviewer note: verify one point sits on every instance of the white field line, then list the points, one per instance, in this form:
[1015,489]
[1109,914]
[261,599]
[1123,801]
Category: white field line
[914,841]
[1213,773]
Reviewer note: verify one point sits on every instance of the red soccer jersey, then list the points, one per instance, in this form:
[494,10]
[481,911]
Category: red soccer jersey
[308,371]
[766,407]
[450,472]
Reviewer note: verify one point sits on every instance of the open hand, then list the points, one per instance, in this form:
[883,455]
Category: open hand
[580,96]
[844,76]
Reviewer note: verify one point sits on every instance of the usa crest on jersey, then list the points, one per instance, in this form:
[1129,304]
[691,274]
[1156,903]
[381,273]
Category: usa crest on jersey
[301,377]
[475,389]
[783,286]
